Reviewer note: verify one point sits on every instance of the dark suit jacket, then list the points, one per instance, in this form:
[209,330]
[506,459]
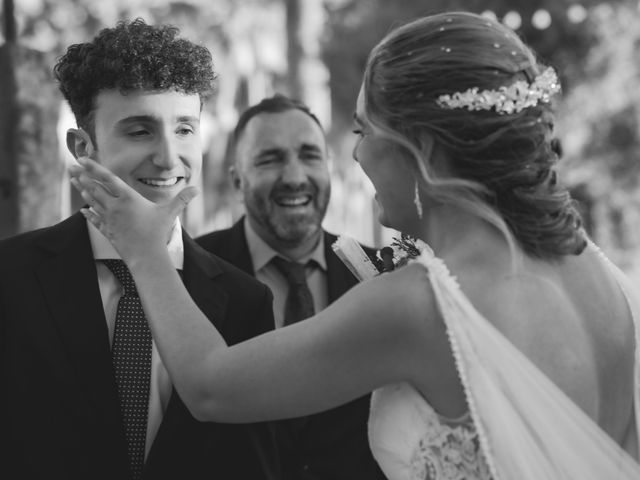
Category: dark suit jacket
[332,444]
[59,416]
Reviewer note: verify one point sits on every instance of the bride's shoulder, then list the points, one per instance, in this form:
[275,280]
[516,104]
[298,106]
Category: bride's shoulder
[408,279]
[405,292]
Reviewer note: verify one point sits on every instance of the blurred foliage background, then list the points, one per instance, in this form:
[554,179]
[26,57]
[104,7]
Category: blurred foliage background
[315,50]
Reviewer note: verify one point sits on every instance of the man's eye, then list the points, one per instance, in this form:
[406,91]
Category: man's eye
[357,131]
[138,133]
[185,131]
[266,160]
[311,156]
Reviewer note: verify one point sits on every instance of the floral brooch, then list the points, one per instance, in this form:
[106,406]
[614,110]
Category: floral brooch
[388,258]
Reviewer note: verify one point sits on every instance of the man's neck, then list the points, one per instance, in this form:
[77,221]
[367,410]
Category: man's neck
[292,251]
[300,250]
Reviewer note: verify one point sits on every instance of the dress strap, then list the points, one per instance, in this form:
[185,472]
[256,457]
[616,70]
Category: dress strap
[450,299]
[528,428]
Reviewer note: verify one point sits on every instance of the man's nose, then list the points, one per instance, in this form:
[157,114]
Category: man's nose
[166,153]
[294,172]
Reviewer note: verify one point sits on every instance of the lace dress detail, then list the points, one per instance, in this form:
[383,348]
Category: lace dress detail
[412,442]
[520,425]
[451,453]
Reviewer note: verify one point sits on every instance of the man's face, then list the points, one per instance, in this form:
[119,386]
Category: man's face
[151,140]
[281,170]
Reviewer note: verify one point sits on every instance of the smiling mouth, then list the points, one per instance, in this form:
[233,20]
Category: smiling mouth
[160,182]
[292,200]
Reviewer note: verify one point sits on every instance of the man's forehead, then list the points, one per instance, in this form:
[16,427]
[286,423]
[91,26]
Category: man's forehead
[291,126]
[117,105]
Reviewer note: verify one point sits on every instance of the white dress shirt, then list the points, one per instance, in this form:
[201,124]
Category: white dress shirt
[111,291]
[265,271]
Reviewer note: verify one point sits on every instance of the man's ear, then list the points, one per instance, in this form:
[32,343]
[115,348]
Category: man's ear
[79,143]
[236,181]
[235,178]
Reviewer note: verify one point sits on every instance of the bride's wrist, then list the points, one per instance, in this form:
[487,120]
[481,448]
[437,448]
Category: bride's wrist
[148,260]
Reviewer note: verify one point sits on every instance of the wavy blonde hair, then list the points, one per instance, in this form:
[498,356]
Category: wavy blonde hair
[502,165]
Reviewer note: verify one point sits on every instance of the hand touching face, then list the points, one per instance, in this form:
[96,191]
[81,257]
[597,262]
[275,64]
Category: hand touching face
[135,226]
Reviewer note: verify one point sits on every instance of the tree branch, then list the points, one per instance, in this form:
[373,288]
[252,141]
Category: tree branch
[10,31]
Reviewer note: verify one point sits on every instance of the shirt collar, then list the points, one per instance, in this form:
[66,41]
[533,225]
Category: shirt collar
[261,253]
[103,250]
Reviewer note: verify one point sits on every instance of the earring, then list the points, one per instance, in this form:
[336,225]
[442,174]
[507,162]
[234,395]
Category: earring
[417,201]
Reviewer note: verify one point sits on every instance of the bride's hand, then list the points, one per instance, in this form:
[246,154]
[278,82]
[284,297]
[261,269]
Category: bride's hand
[133,224]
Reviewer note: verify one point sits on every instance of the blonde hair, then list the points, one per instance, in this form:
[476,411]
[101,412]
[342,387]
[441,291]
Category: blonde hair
[502,164]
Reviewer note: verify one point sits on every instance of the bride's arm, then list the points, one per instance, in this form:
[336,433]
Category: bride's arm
[349,349]
[372,336]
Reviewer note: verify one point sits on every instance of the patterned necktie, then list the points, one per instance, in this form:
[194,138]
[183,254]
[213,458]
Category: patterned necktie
[131,355]
[299,303]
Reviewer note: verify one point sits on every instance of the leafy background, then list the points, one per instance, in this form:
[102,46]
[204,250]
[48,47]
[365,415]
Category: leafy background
[316,50]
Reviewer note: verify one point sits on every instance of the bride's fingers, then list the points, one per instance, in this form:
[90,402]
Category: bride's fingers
[101,194]
[90,190]
[96,207]
[75,170]
[92,217]
[111,183]
[180,201]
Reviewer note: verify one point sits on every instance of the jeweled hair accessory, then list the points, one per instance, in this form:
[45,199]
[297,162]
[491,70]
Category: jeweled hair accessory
[511,99]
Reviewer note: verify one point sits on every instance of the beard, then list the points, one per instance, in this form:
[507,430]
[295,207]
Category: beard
[293,229]
[288,228]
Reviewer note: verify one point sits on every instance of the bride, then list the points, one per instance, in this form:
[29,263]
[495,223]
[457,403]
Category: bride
[506,350]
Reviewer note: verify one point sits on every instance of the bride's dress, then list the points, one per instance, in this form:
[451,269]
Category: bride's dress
[520,425]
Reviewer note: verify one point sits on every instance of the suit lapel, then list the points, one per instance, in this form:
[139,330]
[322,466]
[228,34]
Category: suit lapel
[199,277]
[200,270]
[70,287]
[339,278]
[238,253]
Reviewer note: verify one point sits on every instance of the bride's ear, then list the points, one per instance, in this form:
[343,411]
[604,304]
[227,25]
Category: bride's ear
[428,148]
[79,143]
[436,160]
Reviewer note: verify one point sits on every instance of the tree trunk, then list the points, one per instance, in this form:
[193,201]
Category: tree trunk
[41,173]
[31,172]
[295,52]
[308,74]
[8,137]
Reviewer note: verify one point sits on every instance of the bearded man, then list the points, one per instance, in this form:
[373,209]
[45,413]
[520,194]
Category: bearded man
[280,171]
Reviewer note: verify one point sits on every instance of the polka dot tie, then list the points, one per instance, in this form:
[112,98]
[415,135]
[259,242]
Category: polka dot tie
[299,303]
[131,355]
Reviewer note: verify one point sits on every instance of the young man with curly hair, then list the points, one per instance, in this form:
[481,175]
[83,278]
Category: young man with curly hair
[86,394]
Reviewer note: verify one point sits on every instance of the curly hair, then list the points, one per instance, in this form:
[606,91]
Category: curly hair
[502,164]
[132,56]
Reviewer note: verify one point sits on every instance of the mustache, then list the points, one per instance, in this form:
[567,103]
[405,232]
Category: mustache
[304,188]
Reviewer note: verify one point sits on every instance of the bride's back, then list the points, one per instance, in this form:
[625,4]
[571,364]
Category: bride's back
[572,319]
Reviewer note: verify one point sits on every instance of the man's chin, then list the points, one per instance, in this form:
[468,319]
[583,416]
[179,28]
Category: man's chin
[295,234]
[159,196]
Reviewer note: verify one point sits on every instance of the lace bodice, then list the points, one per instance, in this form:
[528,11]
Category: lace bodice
[519,425]
[411,441]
